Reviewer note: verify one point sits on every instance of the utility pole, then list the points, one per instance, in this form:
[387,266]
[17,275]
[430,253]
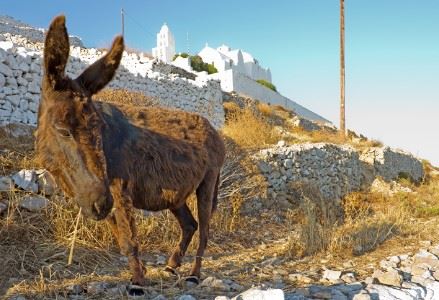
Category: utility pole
[187,41]
[342,73]
[123,23]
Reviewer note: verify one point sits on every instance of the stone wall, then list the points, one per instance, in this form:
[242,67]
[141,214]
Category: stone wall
[21,73]
[334,169]
[11,27]
[390,164]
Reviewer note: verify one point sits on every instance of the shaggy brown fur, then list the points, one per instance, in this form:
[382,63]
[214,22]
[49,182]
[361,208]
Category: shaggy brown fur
[147,158]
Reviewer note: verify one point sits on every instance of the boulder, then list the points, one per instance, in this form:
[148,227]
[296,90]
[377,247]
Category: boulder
[33,203]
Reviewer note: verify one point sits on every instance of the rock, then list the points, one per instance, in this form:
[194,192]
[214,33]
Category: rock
[331,275]
[387,264]
[96,287]
[425,244]
[426,257]
[159,297]
[300,278]
[348,278]
[385,292]
[281,143]
[390,277]
[257,293]
[26,180]
[19,297]
[3,207]
[33,203]
[363,295]
[222,298]
[6,184]
[6,45]
[215,283]
[75,289]
[5,70]
[161,260]
[186,297]
[46,183]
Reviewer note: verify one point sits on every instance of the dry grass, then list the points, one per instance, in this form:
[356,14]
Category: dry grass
[249,130]
[265,109]
[15,153]
[370,220]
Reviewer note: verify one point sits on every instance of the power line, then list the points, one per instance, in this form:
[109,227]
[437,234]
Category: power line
[138,23]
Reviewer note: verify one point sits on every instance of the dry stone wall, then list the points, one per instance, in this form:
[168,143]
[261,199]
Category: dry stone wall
[390,164]
[335,170]
[21,73]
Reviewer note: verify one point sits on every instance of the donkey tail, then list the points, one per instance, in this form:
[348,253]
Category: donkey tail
[215,195]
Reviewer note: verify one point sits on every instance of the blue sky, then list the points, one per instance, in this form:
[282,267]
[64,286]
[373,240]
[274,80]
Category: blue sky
[392,51]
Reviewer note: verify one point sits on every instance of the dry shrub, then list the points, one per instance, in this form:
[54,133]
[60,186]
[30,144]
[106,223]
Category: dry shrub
[366,232]
[231,108]
[327,137]
[371,218]
[241,181]
[250,131]
[319,219]
[265,109]
[119,96]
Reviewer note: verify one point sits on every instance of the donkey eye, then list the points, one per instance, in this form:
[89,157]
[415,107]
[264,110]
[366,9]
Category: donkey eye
[63,131]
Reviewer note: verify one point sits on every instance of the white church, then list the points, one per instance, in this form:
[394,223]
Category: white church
[165,49]
[223,57]
[237,72]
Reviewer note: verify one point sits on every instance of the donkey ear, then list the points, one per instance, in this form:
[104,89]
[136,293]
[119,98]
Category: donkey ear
[96,76]
[56,51]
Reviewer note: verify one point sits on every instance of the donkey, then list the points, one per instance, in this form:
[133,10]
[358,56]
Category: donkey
[111,158]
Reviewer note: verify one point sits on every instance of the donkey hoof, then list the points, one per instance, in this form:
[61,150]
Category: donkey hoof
[192,280]
[135,291]
[171,270]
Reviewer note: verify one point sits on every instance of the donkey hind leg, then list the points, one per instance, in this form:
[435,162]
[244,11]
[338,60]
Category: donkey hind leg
[188,227]
[205,197]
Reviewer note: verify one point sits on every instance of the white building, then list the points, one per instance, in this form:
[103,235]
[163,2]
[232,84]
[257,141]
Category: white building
[224,58]
[165,49]
[237,71]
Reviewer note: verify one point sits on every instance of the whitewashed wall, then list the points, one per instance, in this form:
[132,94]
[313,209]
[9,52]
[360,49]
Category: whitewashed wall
[21,73]
[237,82]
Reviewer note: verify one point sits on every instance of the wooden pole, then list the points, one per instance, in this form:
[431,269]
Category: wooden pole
[123,23]
[342,72]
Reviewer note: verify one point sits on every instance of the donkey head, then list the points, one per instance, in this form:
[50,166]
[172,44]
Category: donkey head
[69,137]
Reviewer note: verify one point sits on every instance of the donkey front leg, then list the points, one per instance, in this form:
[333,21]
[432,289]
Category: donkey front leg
[123,226]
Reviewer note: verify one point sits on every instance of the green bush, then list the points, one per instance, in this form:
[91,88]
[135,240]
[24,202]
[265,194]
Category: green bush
[184,55]
[199,65]
[211,69]
[267,84]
